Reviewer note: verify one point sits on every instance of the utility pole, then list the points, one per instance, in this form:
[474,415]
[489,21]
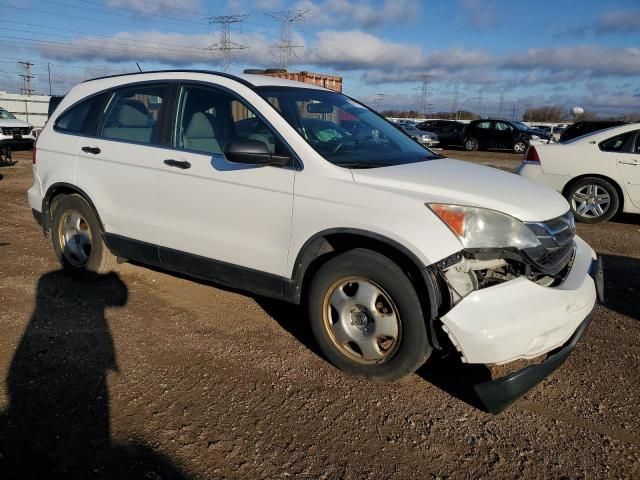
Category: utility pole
[424,94]
[515,110]
[501,105]
[26,78]
[285,46]
[379,98]
[49,71]
[225,46]
[479,98]
[455,112]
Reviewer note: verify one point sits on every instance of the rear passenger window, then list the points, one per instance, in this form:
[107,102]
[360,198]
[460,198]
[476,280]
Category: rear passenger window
[132,114]
[81,118]
[483,125]
[620,143]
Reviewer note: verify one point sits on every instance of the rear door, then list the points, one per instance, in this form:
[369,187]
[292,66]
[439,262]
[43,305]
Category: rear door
[629,164]
[118,167]
[214,215]
[502,135]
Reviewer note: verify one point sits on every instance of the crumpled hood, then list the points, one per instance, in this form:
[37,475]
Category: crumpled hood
[464,183]
[13,122]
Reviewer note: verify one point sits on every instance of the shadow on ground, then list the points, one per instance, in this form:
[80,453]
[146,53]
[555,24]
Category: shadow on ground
[57,425]
[622,284]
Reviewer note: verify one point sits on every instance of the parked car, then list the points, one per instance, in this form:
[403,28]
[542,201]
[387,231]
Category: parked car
[395,252]
[501,134]
[449,132]
[428,139]
[534,132]
[599,173]
[582,128]
[14,132]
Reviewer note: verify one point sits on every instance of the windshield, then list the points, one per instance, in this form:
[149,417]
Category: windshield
[521,126]
[5,115]
[343,131]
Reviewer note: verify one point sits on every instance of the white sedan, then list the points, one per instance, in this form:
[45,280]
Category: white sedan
[598,173]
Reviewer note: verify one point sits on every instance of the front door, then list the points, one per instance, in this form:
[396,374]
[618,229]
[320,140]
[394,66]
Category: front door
[212,209]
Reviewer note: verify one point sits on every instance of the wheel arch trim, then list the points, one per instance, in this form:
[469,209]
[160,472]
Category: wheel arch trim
[52,192]
[317,245]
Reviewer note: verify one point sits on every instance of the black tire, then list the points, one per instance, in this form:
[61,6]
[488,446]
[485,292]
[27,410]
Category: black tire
[599,185]
[520,146]
[412,347]
[471,144]
[99,259]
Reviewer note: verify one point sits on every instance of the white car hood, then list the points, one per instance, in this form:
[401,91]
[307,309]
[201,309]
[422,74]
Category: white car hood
[13,122]
[464,183]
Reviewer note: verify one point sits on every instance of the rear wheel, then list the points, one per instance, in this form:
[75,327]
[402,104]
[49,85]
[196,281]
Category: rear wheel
[593,200]
[367,317]
[77,237]
[471,144]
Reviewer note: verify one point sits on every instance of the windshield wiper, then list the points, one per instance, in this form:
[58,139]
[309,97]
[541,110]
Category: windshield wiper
[363,164]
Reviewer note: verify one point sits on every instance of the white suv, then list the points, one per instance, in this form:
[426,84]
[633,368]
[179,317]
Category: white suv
[252,182]
[15,132]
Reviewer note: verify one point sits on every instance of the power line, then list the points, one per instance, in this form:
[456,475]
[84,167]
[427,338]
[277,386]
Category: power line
[286,46]
[225,46]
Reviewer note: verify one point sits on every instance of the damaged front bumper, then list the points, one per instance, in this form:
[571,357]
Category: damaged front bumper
[521,319]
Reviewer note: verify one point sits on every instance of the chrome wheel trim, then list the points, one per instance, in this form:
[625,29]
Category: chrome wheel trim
[362,320]
[519,147]
[591,201]
[471,144]
[74,236]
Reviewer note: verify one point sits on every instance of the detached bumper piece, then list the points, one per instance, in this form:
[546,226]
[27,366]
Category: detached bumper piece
[496,395]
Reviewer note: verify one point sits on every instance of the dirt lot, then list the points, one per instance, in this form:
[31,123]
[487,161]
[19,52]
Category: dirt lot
[147,375]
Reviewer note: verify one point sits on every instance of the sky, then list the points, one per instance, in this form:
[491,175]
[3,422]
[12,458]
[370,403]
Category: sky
[572,53]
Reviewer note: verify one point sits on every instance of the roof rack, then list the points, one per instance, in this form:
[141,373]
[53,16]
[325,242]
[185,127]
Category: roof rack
[209,72]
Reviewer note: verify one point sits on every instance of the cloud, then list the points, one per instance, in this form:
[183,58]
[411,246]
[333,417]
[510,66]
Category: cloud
[583,60]
[360,13]
[619,21]
[479,14]
[173,7]
[614,22]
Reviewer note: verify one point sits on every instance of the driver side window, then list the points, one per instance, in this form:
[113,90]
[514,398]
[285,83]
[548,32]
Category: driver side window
[208,118]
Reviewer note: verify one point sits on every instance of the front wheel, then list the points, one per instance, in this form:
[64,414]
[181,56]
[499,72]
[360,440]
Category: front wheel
[77,237]
[519,146]
[593,200]
[367,317]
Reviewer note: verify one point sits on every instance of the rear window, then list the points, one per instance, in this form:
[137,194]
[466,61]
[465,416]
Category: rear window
[620,143]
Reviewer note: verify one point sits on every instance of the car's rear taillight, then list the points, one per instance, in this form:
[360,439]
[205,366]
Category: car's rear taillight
[531,156]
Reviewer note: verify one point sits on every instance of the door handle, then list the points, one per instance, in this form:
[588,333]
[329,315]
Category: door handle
[177,163]
[629,163]
[93,150]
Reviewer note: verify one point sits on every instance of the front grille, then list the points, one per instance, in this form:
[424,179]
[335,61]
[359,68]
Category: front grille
[556,243]
[16,130]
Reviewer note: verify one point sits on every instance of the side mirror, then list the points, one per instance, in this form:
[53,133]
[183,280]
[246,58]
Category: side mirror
[253,152]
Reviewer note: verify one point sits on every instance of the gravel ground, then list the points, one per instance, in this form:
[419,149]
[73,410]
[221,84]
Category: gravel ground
[152,376]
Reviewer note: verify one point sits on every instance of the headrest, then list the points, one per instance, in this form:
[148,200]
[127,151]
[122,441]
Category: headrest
[199,127]
[133,113]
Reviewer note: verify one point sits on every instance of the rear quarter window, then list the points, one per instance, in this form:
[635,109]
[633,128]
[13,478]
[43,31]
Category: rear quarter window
[81,118]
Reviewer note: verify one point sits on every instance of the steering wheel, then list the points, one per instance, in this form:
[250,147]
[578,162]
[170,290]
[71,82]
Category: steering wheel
[342,143]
